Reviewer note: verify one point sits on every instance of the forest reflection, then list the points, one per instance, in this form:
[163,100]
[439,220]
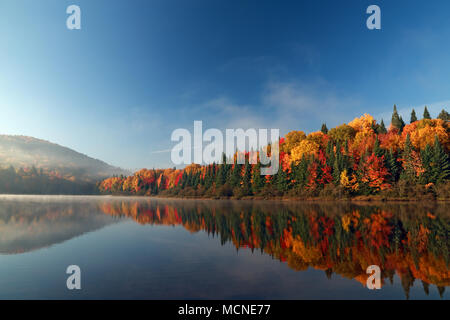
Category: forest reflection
[409,240]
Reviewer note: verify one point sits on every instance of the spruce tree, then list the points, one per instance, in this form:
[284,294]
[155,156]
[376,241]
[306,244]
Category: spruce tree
[426,156]
[444,115]
[257,179]
[236,177]
[409,173]
[324,128]
[396,120]
[281,181]
[377,149]
[381,128]
[336,172]
[426,114]
[440,162]
[413,116]
[246,179]
[391,165]
[329,151]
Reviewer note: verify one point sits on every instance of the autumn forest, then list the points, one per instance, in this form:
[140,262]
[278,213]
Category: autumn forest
[362,159]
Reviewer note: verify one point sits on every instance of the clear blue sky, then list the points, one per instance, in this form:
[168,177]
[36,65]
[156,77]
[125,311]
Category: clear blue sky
[137,70]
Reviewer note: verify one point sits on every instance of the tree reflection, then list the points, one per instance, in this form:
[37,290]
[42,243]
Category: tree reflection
[408,240]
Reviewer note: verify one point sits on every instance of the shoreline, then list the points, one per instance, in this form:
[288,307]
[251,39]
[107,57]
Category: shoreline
[360,199]
[357,199]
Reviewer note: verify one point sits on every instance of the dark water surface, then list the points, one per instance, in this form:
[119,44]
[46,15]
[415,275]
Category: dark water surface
[141,248]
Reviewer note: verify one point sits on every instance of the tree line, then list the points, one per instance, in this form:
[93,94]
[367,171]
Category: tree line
[39,181]
[361,158]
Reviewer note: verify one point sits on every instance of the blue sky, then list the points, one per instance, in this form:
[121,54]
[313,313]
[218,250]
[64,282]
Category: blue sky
[137,70]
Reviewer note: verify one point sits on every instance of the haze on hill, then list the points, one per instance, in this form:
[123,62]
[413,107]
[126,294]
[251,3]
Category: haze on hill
[28,152]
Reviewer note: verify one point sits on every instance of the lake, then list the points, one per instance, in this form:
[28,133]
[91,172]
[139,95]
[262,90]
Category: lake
[146,248]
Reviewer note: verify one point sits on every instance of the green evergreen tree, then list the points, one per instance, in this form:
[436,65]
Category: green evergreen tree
[426,114]
[222,172]
[281,181]
[408,173]
[377,149]
[246,179]
[413,116]
[396,120]
[381,128]
[257,179]
[426,156]
[440,163]
[444,115]
[392,165]
[329,152]
[336,172]
[324,128]
[236,177]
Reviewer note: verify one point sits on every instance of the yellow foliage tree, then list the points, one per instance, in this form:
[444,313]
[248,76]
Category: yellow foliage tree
[306,147]
[363,124]
[424,131]
[292,140]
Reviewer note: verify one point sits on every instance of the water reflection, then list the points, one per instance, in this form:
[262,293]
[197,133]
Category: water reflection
[405,239]
[33,224]
[408,240]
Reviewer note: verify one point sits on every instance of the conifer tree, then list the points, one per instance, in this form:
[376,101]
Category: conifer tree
[257,179]
[440,163]
[413,116]
[381,128]
[377,149]
[408,173]
[324,128]
[396,120]
[246,179]
[392,165]
[427,161]
[236,178]
[444,115]
[426,114]
[336,172]
[281,181]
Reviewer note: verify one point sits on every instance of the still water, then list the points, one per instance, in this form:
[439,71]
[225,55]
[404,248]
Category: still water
[141,248]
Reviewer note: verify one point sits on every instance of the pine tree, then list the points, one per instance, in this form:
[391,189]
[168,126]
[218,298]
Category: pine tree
[396,120]
[444,115]
[392,165]
[440,163]
[426,156]
[236,178]
[329,151]
[377,149]
[222,171]
[381,128]
[426,114]
[413,116]
[246,179]
[300,172]
[336,172]
[257,179]
[408,172]
[209,177]
[324,128]
[281,181]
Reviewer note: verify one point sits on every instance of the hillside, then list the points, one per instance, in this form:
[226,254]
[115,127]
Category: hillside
[28,152]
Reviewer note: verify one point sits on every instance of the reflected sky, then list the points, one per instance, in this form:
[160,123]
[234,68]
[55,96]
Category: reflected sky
[140,248]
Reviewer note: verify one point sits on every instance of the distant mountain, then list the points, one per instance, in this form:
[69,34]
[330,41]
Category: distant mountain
[28,152]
